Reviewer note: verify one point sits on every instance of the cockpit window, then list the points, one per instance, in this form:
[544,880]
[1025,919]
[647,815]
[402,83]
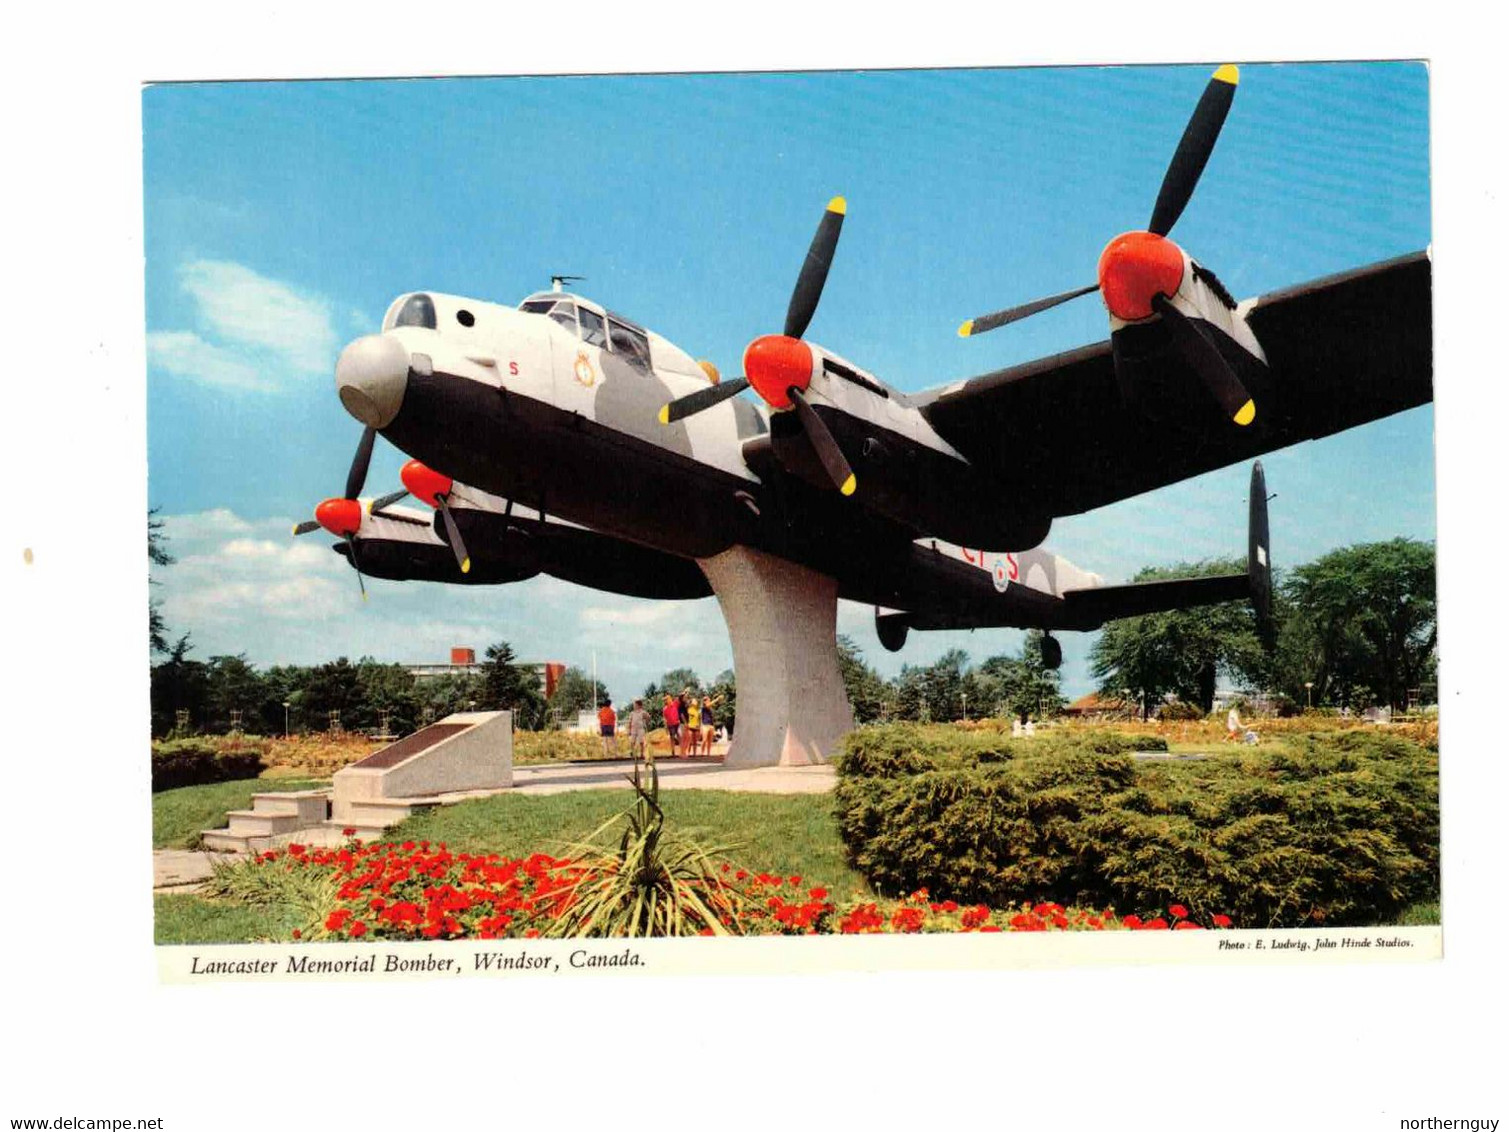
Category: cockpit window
[418,310]
[536,306]
[565,314]
[629,344]
[593,331]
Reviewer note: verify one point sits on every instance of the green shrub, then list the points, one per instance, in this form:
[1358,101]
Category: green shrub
[1339,828]
[194,762]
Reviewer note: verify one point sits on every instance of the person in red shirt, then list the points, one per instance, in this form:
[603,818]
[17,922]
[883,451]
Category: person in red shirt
[607,721]
[672,716]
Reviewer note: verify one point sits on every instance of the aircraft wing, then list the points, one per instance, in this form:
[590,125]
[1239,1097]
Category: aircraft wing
[1342,351]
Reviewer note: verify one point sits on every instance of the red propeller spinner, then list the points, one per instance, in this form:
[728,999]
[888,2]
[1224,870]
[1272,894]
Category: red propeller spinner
[776,364]
[341,517]
[424,483]
[1134,267]
[429,486]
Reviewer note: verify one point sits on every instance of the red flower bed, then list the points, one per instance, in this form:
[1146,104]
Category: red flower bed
[416,890]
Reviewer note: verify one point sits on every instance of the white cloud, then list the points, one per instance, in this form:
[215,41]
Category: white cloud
[249,309]
[252,333]
[631,614]
[184,354]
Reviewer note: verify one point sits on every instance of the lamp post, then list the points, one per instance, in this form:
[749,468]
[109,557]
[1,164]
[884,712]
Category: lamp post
[286,705]
[964,704]
[1308,685]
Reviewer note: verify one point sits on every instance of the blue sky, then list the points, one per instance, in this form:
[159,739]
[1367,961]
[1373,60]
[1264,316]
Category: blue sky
[281,218]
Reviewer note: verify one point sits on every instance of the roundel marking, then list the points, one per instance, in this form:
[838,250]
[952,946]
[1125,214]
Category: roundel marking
[583,370]
[1000,575]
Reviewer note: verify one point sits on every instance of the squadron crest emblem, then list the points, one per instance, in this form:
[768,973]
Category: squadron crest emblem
[583,370]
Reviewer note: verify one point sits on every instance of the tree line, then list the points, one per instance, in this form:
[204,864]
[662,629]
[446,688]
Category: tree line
[1352,629]
[1355,628]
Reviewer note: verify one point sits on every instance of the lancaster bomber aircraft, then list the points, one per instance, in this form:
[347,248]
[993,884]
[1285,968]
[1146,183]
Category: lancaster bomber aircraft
[548,437]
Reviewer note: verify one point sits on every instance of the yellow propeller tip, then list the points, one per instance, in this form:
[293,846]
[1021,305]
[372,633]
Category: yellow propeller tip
[1227,74]
[296,529]
[838,205]
[1245,414]
[665,414]
[966,328]
[848,485]
[466,567]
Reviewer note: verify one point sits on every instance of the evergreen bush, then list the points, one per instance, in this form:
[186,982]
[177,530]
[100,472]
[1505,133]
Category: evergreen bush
[194,762]
[1329,828]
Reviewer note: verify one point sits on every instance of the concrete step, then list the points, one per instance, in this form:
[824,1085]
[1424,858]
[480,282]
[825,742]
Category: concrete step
[376,812]
[310,806]
[224,841]
[249,823]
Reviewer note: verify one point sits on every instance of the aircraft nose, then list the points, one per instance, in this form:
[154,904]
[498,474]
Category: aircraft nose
[371,375]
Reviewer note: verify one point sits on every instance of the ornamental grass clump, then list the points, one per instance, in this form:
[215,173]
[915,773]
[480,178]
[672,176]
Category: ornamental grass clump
[306,893]
[657,882]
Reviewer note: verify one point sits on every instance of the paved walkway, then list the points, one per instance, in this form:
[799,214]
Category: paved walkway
[182,870]
[675,774]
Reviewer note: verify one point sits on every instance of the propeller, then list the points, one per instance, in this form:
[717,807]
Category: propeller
[429,486]
[826,447]
[1194,150]
[1014,314]
[343,517]
[702,399]
[1202,356]
[780,367]
[1138,269]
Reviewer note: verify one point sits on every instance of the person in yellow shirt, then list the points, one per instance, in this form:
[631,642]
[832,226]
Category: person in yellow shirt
[693,727]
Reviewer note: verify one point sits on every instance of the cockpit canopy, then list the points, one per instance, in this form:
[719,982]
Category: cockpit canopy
[416,310]
[596,328]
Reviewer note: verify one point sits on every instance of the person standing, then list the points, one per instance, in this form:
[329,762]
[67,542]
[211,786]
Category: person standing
[639,723]
[709,724]
[607,723]
[693,726]
[671,713]
[681,708]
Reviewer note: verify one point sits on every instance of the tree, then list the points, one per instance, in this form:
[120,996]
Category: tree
[869,695]
[507,686]
[157,555]
[1179,651]
[232,685]
[335,686]
[1361,625]
[178,684]
[934,693]
[1020,686]
[440,696]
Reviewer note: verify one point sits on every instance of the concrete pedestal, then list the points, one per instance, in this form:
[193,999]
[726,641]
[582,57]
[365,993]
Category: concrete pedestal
[783,623]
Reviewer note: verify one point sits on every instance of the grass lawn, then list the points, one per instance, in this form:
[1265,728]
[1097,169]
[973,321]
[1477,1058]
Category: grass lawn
[777,833]
[178,815]
[193,919]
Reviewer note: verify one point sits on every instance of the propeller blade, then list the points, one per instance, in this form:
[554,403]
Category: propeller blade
[305,527]
[351,542]
[457,546]
[392,497]
[827,448]
[1203,357]
[1194,149]
[702,399]
[358,474]
[1014,314]
[809,284]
